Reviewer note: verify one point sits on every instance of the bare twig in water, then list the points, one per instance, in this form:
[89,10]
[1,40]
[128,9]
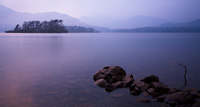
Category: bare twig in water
[184,73]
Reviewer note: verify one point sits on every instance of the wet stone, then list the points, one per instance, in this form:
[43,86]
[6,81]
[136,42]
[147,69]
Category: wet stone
[196,104]
[150,79]
[114,77]
[101,83]
[144,100]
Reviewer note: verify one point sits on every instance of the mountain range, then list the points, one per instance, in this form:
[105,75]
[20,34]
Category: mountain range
[133,22]
[10,18]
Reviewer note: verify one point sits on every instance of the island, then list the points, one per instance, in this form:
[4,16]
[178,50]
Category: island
[52,26]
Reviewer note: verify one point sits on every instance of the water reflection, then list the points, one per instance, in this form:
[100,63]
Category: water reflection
[56,70]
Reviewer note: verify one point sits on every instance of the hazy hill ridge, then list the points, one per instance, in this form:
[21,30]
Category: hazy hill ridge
[133,22]
[10,18]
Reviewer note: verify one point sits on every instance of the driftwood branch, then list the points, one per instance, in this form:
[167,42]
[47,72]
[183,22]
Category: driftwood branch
[185,79]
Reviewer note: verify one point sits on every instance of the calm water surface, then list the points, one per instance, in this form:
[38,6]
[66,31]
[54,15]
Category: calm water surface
[55,70]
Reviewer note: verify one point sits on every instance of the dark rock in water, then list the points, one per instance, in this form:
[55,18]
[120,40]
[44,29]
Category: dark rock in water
[134,90]
[144,100]
[107,73]
[160,87]
[114,77]
[150,79]
[172,104]
[145,93]
[197,95]
[113,70]
[150,90]
[116,71]
[161,98]
[127,80]
[98,75]
[118,84]
[174,90]
[101,83]
[196,104]
[143,86]
[182,106]
[176,96]
[110,87]
[188,99]
[181,98]
[190,90]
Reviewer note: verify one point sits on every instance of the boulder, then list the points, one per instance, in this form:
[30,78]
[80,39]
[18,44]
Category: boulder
[196,104]
[187,100]
[143,86]
[98,75]
[118,84]
[190,90]
[174,90]
[127,80]
[144,100]
[110,87]
[113,70]
[115,79]
[160,87]
[161,98]
[150,79]
[196,94]
[150,90]
[112,77]
[135,90]
[108,72]
[182,98]
[101,83]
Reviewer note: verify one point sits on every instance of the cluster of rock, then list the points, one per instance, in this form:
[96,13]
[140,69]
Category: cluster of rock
[114,77]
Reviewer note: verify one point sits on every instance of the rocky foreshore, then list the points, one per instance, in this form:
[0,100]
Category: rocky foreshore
[114,77]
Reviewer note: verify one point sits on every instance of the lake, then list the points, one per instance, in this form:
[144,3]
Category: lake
[56,70]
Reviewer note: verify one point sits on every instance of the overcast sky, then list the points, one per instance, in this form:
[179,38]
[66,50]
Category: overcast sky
[166,9]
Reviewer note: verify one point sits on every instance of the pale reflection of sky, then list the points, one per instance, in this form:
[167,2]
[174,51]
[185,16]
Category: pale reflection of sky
[56,69]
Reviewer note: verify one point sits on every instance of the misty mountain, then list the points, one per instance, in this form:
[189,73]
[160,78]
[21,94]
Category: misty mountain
[133,22]
[192,26]
[10,18]
[195,23]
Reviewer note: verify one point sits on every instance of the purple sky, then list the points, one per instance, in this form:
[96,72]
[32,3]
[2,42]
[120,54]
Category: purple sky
[166,9]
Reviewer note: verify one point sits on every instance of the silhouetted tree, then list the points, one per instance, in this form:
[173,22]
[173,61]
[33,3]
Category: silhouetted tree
[17,27]
[53,26]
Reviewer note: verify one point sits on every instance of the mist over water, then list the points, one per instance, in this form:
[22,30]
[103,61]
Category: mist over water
[57,69]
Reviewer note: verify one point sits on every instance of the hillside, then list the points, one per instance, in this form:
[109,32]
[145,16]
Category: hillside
[10,18]
[122,23]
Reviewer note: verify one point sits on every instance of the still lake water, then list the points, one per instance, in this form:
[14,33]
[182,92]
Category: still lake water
[56,70]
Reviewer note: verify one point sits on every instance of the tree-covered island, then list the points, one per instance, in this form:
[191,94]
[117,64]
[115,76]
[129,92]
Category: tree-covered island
[52,26]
